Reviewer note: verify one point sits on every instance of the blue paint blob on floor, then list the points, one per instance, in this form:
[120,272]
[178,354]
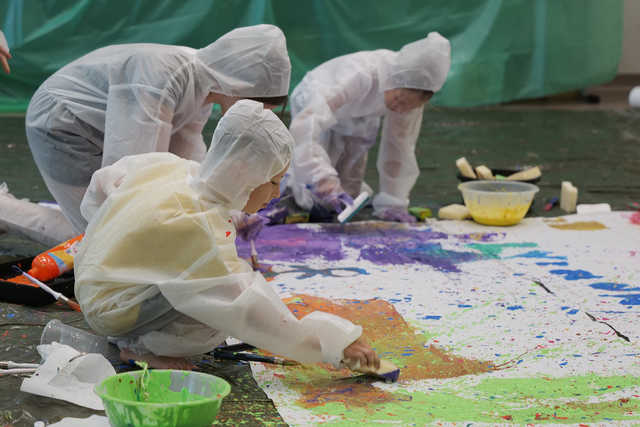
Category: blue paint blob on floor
[575,274]
[538,254]
[626,292]
[515,307]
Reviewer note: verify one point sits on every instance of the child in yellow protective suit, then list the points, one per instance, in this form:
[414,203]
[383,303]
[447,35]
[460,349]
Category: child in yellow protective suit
[158,269]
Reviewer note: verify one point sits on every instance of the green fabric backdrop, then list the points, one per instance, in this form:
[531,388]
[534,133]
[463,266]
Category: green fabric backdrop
[502,49]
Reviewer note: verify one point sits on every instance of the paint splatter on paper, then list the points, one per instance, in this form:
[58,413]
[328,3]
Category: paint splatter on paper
[490,325]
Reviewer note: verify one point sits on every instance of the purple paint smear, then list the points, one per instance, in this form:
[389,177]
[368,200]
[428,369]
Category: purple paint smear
[379,243]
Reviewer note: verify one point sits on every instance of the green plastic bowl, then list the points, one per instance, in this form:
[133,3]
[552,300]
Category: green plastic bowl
[175,398]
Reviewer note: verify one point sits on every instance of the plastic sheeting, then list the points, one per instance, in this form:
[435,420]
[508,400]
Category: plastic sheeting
[502,49]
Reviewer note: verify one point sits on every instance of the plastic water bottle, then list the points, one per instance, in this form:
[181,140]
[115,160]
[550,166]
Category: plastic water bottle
[79,339]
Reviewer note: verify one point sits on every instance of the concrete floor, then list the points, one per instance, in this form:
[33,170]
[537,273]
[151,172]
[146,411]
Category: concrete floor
[596,146]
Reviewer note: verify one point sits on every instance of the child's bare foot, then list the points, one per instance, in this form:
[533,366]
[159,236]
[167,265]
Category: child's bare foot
[157,362]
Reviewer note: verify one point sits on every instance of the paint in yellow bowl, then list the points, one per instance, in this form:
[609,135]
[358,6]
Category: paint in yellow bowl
[497,202]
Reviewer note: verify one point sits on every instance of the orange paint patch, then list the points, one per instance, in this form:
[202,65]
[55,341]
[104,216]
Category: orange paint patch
[21,280]
[390,336]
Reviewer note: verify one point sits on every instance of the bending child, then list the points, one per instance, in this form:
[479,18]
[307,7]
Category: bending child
[158,268]
[129,99]
[336,111]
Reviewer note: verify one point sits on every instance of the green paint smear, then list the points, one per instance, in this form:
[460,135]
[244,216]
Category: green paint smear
[166,397]
[493,250]
[501,400]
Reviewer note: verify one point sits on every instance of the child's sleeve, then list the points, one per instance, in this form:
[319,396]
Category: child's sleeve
[245,307]
[397,164]
[311,125]
[187,142]
[108,179]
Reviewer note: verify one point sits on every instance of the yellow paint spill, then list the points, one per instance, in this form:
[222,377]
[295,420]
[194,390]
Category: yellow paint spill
[580,225]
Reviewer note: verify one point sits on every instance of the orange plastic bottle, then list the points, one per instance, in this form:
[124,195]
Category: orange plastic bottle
[56,261]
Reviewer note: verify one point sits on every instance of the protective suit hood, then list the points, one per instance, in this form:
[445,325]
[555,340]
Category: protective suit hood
[249,62]
[250,146]
[423,64]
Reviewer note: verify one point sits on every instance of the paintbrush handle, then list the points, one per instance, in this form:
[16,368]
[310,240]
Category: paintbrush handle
[57,295]
[8,364]
[250,357]
[254,255]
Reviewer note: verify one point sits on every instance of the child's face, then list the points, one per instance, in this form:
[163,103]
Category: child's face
[262,195]
[402,100]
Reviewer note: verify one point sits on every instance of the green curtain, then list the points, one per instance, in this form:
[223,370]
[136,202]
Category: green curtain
[502,49]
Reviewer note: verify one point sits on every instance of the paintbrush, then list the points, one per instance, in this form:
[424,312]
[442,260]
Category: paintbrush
[57,295]
[250,357]
[387,370]
[353,208]
[254,256]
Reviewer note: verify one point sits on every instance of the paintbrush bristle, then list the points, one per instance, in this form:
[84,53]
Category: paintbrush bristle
[387,370]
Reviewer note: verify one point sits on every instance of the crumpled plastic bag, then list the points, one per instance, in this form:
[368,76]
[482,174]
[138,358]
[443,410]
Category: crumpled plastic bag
[69,375]
[92,421]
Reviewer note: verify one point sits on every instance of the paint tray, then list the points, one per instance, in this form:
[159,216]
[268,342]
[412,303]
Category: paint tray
[29,294]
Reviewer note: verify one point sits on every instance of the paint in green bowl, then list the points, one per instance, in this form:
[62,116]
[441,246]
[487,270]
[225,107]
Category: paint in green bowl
[169,398]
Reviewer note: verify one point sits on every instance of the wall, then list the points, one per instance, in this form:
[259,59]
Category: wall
[630,60]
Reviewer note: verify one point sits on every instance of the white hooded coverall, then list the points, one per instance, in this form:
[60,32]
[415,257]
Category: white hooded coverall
[139,98]
[336,111]
[158,266]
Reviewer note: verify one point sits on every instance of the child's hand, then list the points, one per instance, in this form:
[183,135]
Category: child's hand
[330,193]
[249,226]
[395,214]
[360,351]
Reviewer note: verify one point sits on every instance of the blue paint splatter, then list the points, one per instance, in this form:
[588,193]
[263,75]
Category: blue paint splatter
[561,263]
[538,254]
[627,298]
[575,274]
[515,307]
[307,272]
[464,305]
[564,364]
[432,317]
[574,311]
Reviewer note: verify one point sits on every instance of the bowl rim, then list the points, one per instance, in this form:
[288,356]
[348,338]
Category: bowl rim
[224,394]
[464,186]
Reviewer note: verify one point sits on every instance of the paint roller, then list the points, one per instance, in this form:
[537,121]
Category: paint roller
[387,370]
[353,208]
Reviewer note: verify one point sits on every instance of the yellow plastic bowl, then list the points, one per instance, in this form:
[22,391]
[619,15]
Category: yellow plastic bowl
[498,202]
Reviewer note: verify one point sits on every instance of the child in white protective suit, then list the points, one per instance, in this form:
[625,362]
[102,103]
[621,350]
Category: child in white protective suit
[336,111]
[158,268]
[136,98]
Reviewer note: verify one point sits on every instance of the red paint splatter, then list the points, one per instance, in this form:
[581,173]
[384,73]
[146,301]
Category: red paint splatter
[635,218]
[507,417]
[228,233]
